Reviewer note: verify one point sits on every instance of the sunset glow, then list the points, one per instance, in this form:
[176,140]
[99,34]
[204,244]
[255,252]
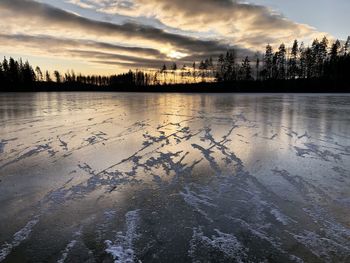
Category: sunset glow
[105,37]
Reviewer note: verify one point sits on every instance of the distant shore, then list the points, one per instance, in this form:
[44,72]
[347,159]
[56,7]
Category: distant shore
[276,86]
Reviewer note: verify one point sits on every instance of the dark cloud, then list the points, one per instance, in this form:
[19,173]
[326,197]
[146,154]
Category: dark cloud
[228,19]
[135,45]
[108,57]
[57,17]
[131,61]
[259,16]
[92,49]
[50,42]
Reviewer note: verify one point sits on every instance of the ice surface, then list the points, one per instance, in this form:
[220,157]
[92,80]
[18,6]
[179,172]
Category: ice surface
[227,244]
[69,247]
[174,177]
[18,238]
[122,248]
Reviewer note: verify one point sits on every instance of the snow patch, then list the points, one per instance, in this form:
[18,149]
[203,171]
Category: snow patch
[228,244]
[321,247]
[18,238]
[280,217]
[195,200]
[122,248]
[69,247]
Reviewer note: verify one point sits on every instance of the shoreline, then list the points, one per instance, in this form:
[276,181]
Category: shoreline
[278,86]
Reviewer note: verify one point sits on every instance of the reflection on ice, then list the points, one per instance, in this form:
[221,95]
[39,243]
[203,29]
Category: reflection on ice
[187,178]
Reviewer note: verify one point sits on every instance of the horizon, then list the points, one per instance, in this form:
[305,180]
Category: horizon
[110,37]
[174,131]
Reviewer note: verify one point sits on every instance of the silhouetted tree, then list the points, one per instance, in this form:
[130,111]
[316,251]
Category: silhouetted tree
[164,72]
[39,74]
[257,66]
[268,62]
[28,75]
[183,71]
[13,72]
[220,68]
[155,78]
[281,62]
[194,73]
[5,65]
[47,76]
[246,70]
[347,46]
[293,68]
[302,61]
[334,50]
[174,69]
[322,51]
[310,62]
[57,76]
[230,66]
[226,67]
[2,75]
[275,66]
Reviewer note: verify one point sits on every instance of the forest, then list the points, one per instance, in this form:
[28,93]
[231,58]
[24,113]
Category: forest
[322,62]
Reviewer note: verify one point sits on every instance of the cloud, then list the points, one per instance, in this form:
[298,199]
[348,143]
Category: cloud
[166,30]
[81,4]
[229,20]
[42,14]
[94,51]
[51,43]
[117,59]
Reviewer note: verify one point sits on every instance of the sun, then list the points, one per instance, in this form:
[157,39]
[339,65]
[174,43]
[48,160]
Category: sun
[176,54]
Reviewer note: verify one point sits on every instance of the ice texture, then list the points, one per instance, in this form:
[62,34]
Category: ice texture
[129,177]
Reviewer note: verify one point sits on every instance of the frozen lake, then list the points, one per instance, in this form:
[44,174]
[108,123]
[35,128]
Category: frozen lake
[108,177]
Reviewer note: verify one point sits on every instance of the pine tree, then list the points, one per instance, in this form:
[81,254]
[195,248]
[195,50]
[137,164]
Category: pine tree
[334,50]
[194,74]
[28,74]
[47,76]
[246,69]
[2,75]
[174,69]
[257,67]
[268,61]
[230,66]
[320,57]
[5,66]
[347,46]
[220,68]
[164,71]
[281,62]
[293,61]
[274,73]
[58,77]
[302,61]
[13,72]
[39,74]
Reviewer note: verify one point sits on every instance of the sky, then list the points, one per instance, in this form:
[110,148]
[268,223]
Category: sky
[113,36]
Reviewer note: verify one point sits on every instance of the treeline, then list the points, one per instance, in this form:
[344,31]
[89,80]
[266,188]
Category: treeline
[203,71]
[137,78]
[320,61]
[16,75]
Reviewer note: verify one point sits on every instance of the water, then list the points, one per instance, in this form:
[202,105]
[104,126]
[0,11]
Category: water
[108,177]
